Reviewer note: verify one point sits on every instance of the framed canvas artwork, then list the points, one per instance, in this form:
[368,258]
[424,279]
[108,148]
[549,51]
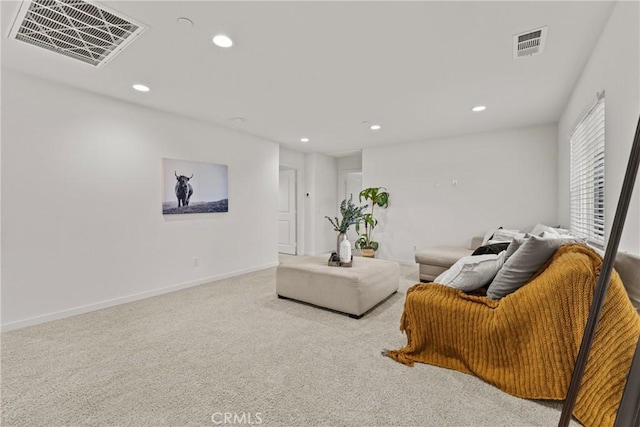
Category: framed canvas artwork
[194,187]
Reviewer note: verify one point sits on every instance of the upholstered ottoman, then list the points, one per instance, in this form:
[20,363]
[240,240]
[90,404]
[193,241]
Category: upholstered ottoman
[350,290]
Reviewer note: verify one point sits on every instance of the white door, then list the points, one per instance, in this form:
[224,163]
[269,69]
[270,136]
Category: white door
[287,212]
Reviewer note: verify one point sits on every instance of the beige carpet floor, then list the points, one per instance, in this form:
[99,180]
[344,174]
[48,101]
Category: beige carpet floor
[233,347]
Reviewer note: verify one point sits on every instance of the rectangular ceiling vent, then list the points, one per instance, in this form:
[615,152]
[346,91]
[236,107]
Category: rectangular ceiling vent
[78,29]
[529,43]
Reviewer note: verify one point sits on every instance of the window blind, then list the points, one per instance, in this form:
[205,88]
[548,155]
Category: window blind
[587,176]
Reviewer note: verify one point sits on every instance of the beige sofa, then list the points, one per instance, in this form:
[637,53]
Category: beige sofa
[437,259]
[628,267]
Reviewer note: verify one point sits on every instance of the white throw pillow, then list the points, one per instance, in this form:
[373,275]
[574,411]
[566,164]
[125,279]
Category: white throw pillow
[539,229]
[503,235]
[555,234]
[472,272]
[488,236]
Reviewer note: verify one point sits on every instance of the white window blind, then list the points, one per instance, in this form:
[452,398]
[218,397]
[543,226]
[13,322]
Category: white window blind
[587,176]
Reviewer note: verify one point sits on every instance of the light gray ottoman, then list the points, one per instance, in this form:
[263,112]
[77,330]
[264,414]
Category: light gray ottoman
[350,290]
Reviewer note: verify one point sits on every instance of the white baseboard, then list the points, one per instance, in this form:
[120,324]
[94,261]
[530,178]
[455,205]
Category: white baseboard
[19,324]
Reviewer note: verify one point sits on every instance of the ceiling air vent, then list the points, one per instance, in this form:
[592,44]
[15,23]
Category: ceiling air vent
[529,43]
[78,29]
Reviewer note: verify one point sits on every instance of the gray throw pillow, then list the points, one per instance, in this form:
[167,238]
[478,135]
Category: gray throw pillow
[514,246]
[523,264]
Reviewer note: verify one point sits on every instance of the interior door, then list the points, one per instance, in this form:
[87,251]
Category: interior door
[287,212]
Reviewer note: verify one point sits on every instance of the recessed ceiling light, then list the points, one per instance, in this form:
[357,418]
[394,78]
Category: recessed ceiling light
[237,120]
[304,139]
[479,108]
[185,22]
[221,40]
[375,127]
[141,88]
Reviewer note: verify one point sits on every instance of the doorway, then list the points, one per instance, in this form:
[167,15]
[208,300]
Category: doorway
[352,187]
[287,236]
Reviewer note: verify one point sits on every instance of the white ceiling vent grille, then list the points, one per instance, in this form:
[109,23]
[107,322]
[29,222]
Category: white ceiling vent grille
[78,29]
[529,43]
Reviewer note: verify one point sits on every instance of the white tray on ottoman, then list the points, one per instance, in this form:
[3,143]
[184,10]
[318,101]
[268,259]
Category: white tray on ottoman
[353,291]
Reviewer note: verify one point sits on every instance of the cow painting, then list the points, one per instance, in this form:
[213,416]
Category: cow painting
[184,190]
[209,193]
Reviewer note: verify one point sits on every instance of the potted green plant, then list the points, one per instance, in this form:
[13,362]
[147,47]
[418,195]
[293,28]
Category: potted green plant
[351,215]
[377,196]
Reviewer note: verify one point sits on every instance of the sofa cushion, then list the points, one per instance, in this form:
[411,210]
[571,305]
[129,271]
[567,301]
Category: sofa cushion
[443,256]
[628,267]
[476,242]
[428,273]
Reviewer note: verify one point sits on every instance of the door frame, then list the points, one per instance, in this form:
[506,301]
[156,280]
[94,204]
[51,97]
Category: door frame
[342,183]
[299,176]
[342,195]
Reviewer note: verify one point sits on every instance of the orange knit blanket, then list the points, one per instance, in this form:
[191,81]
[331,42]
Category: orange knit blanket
[526,344]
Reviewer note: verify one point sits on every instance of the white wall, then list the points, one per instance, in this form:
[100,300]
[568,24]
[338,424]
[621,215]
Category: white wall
[321,181]
[352,162]
[291,159]
[82,226]
[503,179]
[614,66]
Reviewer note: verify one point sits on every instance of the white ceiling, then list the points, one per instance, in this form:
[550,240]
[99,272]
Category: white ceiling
[319,69]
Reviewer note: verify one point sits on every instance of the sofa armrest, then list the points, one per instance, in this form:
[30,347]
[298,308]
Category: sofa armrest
[476,242]
[628,267]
